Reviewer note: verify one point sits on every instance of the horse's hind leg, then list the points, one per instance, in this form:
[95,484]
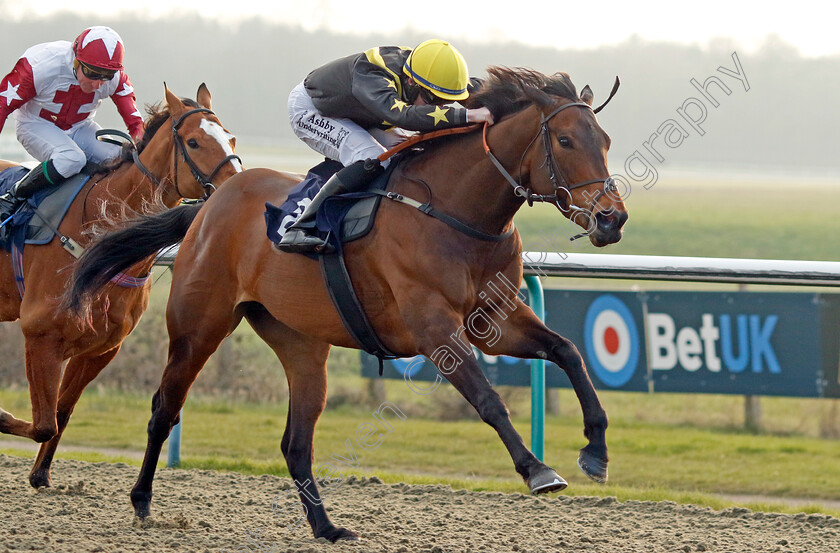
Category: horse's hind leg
[43,371]
[80,371]
[304,360]
[523,335]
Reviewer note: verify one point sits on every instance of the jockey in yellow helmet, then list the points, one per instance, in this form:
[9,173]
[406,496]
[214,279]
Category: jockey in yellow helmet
[354,108]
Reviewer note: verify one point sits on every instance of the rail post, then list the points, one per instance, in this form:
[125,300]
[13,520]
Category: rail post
[174,458]
[537,303]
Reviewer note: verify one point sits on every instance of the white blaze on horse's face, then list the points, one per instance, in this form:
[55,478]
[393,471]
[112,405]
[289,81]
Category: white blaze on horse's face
[223,137]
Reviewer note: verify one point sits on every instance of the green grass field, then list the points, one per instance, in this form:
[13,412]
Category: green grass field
[676,447]
[701,462]
[718,219]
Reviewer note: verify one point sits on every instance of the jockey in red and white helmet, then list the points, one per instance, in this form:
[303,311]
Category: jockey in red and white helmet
[100,47]
[54,91]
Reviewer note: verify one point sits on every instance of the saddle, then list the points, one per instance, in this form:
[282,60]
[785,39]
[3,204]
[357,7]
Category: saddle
[341,219]
[37,220]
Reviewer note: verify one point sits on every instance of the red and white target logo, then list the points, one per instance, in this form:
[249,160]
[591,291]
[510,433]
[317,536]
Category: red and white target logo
[612,340]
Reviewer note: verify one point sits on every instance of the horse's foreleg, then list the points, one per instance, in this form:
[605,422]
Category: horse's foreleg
[436,340]
[523,335]
[43,370]
[79,373]
[304,360]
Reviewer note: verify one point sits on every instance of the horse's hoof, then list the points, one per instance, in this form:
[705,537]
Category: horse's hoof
[593,467]
[142,509]
[546,481]
[40,479]
[342,534]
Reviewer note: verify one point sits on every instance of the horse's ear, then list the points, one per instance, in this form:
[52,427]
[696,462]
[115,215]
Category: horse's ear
[176,106]
[586,95]
[537,96]
[203,96]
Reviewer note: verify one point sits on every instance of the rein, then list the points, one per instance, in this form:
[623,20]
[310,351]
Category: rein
[134,155]
[417,138]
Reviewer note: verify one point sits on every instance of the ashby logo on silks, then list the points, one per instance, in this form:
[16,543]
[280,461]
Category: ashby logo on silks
[612,340]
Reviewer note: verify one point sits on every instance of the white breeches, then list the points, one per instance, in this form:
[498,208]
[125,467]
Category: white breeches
[339,139]
[69,150]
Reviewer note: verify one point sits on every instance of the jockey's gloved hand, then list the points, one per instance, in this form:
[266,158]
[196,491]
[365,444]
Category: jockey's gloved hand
[479,115]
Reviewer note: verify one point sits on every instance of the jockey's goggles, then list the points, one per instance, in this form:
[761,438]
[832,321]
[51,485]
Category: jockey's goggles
[95,73]
[430,98]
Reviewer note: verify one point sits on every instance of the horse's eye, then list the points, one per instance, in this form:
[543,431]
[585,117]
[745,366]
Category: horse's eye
[565,142]
[192,143]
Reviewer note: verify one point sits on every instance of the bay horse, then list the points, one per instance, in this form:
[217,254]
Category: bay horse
[183,150]
[424,284]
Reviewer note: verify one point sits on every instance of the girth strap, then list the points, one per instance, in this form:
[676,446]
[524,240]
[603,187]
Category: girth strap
[350,309]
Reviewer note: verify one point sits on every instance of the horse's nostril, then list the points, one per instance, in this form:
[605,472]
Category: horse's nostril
[606,222]
[610,221]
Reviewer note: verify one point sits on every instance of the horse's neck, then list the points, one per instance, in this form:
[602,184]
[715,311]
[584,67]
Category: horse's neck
[127,190]
[157,157]
[468,186]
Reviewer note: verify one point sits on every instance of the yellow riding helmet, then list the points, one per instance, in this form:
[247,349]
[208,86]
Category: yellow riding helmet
[437,66]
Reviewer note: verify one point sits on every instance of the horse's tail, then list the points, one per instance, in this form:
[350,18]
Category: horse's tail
[119,250]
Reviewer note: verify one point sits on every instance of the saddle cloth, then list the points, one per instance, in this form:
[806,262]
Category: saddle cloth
[52,204]
[340,219]
[348,216]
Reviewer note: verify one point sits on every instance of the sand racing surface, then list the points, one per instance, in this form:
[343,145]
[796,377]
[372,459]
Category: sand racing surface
[88,509]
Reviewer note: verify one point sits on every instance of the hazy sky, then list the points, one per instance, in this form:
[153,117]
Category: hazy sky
[805,23]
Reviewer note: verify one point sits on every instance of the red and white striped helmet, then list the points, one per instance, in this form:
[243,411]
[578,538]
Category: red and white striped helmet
[100,47]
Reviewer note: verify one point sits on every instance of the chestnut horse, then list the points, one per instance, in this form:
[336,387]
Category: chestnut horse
[420,280]
[183,150]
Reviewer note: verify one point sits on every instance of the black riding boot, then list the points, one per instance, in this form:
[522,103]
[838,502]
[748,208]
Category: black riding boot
[301,236]
[37,179]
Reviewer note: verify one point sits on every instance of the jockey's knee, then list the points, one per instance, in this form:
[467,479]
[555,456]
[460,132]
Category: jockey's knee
[69,162]
[359,146]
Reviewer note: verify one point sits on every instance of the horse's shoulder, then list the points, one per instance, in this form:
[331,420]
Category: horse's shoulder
[275,180]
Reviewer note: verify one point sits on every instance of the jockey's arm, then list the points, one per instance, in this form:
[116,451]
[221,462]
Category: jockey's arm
[16,88]
[377,92]
[123,98]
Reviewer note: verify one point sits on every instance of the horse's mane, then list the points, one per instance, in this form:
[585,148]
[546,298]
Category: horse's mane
[503,92]
[157,114]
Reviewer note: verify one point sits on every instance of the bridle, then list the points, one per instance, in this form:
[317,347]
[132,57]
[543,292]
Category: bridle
[564,202]
[203,179]
[519,189]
